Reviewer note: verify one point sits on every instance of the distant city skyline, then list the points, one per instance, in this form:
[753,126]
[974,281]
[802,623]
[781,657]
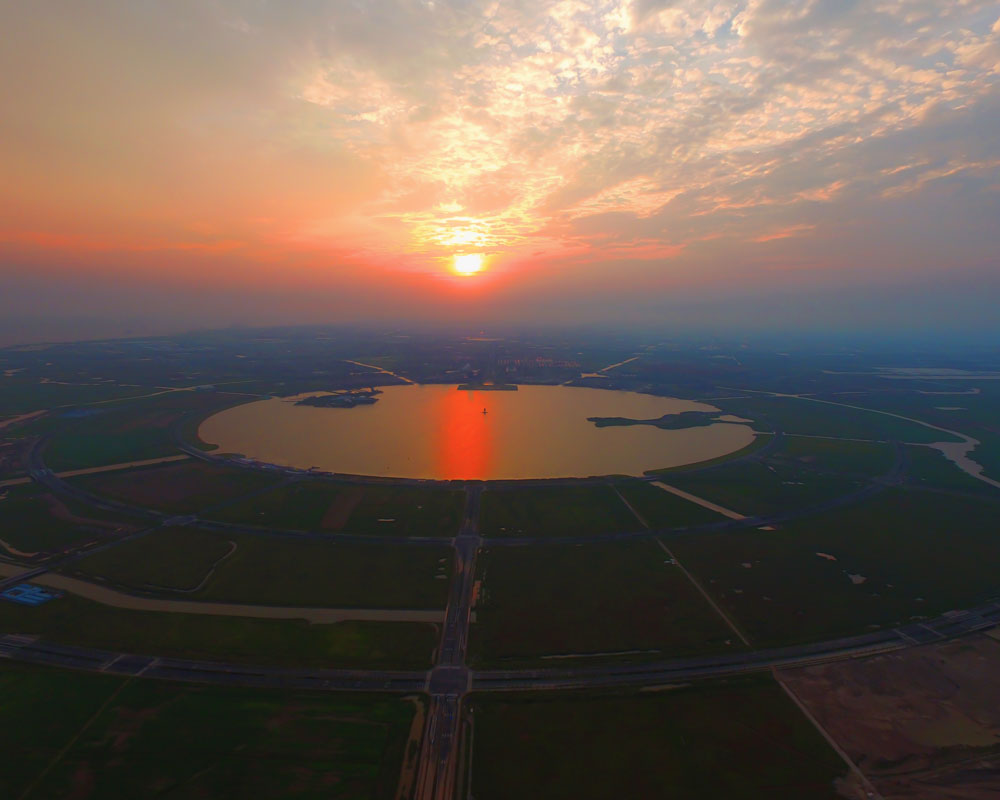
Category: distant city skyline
[756,165]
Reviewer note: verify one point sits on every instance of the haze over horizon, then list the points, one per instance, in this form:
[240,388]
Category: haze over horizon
[758,165]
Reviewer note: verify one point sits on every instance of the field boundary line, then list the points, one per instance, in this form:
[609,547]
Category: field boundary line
[694,582]
[72,742]
[868,786]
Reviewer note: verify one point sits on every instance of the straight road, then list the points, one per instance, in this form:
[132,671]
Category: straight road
[31,650]
[443,685]
[948,626]
[449,680]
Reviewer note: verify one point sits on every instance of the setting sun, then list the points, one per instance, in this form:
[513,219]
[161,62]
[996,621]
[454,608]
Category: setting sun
[468,264]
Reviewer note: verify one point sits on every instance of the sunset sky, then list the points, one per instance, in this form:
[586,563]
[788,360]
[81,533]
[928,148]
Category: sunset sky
[165,165]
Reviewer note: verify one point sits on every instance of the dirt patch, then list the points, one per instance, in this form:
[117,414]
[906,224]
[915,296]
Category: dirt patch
[922,723]
[341,508]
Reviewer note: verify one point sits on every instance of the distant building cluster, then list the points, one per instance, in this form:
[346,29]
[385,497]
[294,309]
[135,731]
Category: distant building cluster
[521,363]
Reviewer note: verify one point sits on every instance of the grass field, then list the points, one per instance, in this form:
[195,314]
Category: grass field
[74,620]
[309,572]
[275,570]
[129,430]
[801,472]
[835,456]
[556,511]
[33,521]
[760,441]
[182,488]
[167,558]
[22,395]
[739,740]
[763,487]
[68,734]
[928,468]
[804,416]
[912,554]
[589,599]
[988,453]
[660,509]
[351,508]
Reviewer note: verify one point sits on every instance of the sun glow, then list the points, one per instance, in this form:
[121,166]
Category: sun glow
[467,264]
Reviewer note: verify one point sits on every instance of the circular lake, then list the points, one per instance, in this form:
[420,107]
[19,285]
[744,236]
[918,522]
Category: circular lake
[441,432]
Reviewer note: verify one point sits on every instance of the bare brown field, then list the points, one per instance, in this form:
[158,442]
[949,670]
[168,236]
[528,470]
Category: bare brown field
[922,724]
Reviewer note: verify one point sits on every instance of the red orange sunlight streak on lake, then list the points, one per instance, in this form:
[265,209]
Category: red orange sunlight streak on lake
[466,448]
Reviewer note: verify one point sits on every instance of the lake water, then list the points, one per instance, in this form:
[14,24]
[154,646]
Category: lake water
[439,432]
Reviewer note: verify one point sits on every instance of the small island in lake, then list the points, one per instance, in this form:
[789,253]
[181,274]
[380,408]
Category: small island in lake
[350,399]
[670,422]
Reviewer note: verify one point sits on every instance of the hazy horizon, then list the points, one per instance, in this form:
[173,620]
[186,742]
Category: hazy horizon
[829,168]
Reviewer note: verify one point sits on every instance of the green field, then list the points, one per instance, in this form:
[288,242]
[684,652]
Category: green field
[130,430]
[167,558]
[660,509]
[988,453]
[739,740]
[68,734]
[21,395]
[307,572]
[835,456]
[763,487]
[929,468]
[77,621]
[33,522]
[919,553]
[804,416]
[555,511]
[760,441]
[180,488]
[801,472]
[974,414]
[563,600]
[352,508]
[275,570]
